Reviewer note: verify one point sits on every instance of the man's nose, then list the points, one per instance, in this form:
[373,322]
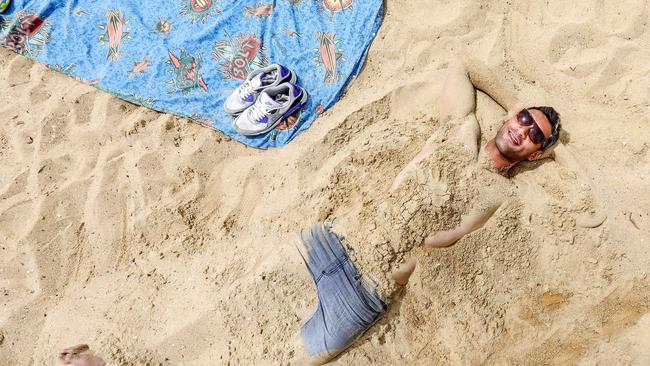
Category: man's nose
[524,130]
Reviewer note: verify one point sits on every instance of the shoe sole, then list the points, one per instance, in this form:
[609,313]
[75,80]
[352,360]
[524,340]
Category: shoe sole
[292,80]
[297,106]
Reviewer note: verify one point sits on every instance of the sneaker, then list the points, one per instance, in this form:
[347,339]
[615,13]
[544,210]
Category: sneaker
[272,107]
[258,80]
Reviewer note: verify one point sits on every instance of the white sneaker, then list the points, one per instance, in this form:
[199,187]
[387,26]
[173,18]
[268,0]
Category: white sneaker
[272,107]
[247,93]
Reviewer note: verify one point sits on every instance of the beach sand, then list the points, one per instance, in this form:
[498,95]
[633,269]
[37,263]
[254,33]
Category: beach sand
[160,242]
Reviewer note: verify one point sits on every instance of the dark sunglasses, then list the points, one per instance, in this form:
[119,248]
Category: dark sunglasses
[535,134]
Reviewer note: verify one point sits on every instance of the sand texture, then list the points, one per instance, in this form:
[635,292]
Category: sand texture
[160,242]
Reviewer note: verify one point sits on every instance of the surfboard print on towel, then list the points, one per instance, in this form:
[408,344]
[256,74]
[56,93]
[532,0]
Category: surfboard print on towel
[186,71]
[115,31]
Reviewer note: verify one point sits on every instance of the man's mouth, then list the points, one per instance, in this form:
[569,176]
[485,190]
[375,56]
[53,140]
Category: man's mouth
[514,138]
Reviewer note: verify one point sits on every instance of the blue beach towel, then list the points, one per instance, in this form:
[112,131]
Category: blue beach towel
[186,56]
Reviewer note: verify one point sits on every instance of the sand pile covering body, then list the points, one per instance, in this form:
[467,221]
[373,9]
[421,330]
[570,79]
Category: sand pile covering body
[432,198]
[186,56]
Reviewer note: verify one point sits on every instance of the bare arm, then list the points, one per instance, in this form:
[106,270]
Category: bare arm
[487,81]
[458,98]
[469,223]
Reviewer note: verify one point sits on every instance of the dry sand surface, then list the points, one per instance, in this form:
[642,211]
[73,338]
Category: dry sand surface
[160,242]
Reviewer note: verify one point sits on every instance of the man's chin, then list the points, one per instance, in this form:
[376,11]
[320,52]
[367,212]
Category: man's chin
[509,153]
[504,148]
[512,154]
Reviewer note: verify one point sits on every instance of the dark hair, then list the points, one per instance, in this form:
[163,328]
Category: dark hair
[554,118]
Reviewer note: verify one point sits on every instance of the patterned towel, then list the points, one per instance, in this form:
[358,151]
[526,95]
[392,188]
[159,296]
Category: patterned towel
[186,56]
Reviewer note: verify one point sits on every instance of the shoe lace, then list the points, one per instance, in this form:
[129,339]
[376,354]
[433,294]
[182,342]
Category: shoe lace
[257,111]
[245,89]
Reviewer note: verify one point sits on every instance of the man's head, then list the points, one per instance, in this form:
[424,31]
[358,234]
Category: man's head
[528,134]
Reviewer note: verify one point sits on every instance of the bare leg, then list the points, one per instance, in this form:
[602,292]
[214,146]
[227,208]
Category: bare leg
[80,355]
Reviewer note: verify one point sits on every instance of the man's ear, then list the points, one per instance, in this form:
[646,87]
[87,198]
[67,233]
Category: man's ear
[539,154]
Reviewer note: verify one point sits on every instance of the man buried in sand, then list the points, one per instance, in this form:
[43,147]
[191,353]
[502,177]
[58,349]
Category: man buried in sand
[360,261]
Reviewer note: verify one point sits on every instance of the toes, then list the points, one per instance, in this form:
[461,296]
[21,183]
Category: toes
[65,358]
[69,354]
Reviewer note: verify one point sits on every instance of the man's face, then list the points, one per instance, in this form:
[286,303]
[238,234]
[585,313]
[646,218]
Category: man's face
[513,140]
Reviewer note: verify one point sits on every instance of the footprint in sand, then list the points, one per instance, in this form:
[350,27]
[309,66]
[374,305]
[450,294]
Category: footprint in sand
[240,215]
[84,109]
[627,24]
[17,69]
[577,37]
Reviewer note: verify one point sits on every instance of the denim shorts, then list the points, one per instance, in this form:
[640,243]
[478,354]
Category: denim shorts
[347,306]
